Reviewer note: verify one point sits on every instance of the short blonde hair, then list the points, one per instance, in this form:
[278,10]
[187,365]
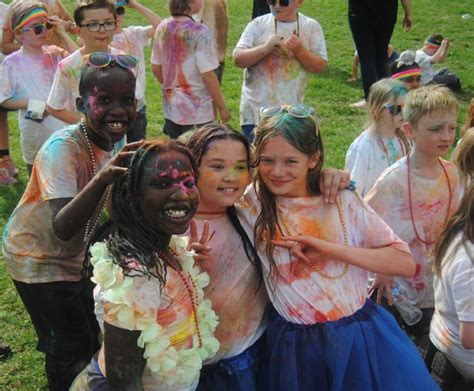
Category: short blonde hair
[18,9]
[427,100]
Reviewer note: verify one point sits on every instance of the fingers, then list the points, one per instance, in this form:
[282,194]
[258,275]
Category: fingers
[283,244]
[205,233]
[200,248]
[132,146]
[388,294]
[379,295]
[193,234]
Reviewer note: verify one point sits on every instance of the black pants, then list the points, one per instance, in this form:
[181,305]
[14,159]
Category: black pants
[260,7]
[63,317]
[372,23]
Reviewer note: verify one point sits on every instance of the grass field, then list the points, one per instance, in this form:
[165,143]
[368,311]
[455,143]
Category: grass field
[329,93]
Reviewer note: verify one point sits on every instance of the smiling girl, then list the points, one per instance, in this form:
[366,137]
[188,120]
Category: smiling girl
[323,332]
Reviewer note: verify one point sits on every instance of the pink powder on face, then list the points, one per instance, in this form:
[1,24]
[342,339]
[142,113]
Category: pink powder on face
[181,184]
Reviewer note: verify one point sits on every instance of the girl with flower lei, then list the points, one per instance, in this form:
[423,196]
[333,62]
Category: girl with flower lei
[157,326]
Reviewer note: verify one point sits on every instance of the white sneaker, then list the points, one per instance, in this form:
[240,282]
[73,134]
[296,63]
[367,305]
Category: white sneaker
[362,104]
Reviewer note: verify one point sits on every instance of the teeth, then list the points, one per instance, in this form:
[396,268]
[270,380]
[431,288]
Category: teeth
[115,125]
[176,214]
[229,190]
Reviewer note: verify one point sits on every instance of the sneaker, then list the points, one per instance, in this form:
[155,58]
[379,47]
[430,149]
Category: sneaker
[5,351]
[7,162]
[5,178]
[362,104]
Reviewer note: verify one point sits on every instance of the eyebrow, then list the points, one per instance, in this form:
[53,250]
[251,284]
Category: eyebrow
[224,160]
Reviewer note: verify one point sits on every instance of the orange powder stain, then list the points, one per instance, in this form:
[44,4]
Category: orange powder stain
[295,270]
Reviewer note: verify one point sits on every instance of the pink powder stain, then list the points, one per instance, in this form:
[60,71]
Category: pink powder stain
[417,270]
[172,172]
[182,184]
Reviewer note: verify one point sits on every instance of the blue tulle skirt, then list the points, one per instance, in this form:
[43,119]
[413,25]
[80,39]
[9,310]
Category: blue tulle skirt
[363,352]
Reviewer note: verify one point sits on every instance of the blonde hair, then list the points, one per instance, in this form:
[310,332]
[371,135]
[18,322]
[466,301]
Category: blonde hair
[427,100]
[464,156]
[382,92]
[20,8]
[470,118]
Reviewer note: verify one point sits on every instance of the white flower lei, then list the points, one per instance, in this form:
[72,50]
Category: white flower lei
[166,363]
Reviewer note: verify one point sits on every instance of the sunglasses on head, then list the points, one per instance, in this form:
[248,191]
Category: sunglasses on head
[297,111]
[393,109]
[38,28]
[101,60]
[281,3]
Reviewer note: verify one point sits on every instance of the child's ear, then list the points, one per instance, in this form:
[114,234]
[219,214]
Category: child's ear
[314,160]
[18,36]
[408,130]
[80,105]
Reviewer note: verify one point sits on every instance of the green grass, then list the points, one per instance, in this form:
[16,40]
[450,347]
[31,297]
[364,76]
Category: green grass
[329,93]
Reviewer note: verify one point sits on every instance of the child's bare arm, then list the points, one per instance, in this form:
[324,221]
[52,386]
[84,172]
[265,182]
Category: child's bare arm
[158,72]
[63,14]
[61,30]
[15,104]
[65,115]
[441,53]
[246,58]
[149,15]
[212,84]
[312,62]
[355,68]
[466,332]
[8,41]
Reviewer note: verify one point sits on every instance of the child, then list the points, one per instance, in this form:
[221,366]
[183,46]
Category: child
[434,51]
[184,60]
[96,21]
[157,338]
[463,157]
[418,194]
[27,76]
[406,70]
[236,290]
[43,241]
[132,40]
[469,119]
[277,50]
[452,326]
[382,143]
[323,332]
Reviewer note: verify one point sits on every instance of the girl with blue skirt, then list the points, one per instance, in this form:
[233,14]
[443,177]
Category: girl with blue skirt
[323,332]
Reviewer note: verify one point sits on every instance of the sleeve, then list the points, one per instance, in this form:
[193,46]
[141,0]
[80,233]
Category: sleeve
[422,59]
[357,165]
[206,56]
[248,209]
[247,40]
[318,43]
[8,78]
[57,169]
[141,35]
[370,231]
[156,49]
[60,89]
[463,286]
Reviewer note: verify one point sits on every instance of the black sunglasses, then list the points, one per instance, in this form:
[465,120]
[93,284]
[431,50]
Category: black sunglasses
[281,3]
[38,28]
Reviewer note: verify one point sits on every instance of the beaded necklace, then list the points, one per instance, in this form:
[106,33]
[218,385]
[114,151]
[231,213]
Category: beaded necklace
[275,25]
[322,273]
[190,286]
[91,228]
[450,198]
[385,149]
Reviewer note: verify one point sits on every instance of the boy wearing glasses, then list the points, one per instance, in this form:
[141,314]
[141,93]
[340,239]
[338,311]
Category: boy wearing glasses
[277,50]
[96,21]
[27,75]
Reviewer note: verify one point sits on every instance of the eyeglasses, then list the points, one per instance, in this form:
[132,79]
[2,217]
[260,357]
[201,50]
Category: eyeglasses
[101,60]
[281,3]
[38,28]
[95,27]
[393,109]
[411,79]
[297,111]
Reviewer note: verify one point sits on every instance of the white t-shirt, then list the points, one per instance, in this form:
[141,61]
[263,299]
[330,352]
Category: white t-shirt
[65,88]
[369,155]
[278,78]
[132,40]
[428,68]
[389,198]
[25,76]
[300,294]
[3,17]
[454,303]
[185,50]
[233,291]
[32,251]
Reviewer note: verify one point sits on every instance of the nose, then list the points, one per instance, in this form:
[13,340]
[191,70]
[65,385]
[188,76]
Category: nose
[230,175]
[277,170]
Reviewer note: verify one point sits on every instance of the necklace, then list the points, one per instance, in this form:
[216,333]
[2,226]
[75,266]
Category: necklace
[275,25]
[450,198]
[209,213]
[322,273]
[185,15]
[384,147]
[190,286]
[90,228]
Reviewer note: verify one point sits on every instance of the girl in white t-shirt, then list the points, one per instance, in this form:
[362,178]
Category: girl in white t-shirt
[382,143]
[323,332]
[452,326]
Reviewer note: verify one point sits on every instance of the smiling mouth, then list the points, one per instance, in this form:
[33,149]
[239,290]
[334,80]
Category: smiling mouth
[178,213]
[116,125]
[228,190]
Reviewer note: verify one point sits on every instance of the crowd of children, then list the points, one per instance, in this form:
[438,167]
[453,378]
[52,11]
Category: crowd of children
[223,265]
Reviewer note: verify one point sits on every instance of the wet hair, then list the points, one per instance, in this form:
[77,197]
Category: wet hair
[83,5]
[470,118]
[177,7]
[427,100]
[461,222]
[20,8]
[91,74]
[198,142]
[129,239]
[464,156]
[303,134]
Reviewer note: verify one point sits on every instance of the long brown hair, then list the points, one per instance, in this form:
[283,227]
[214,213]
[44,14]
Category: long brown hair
[464,156]
[301,133]
[461,221]
[469,120]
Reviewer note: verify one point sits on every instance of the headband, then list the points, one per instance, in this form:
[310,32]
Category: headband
[407,73]
[434,43]
[35,13]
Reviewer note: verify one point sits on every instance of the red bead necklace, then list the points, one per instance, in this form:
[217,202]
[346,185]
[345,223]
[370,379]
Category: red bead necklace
[190,288]
[450,198]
